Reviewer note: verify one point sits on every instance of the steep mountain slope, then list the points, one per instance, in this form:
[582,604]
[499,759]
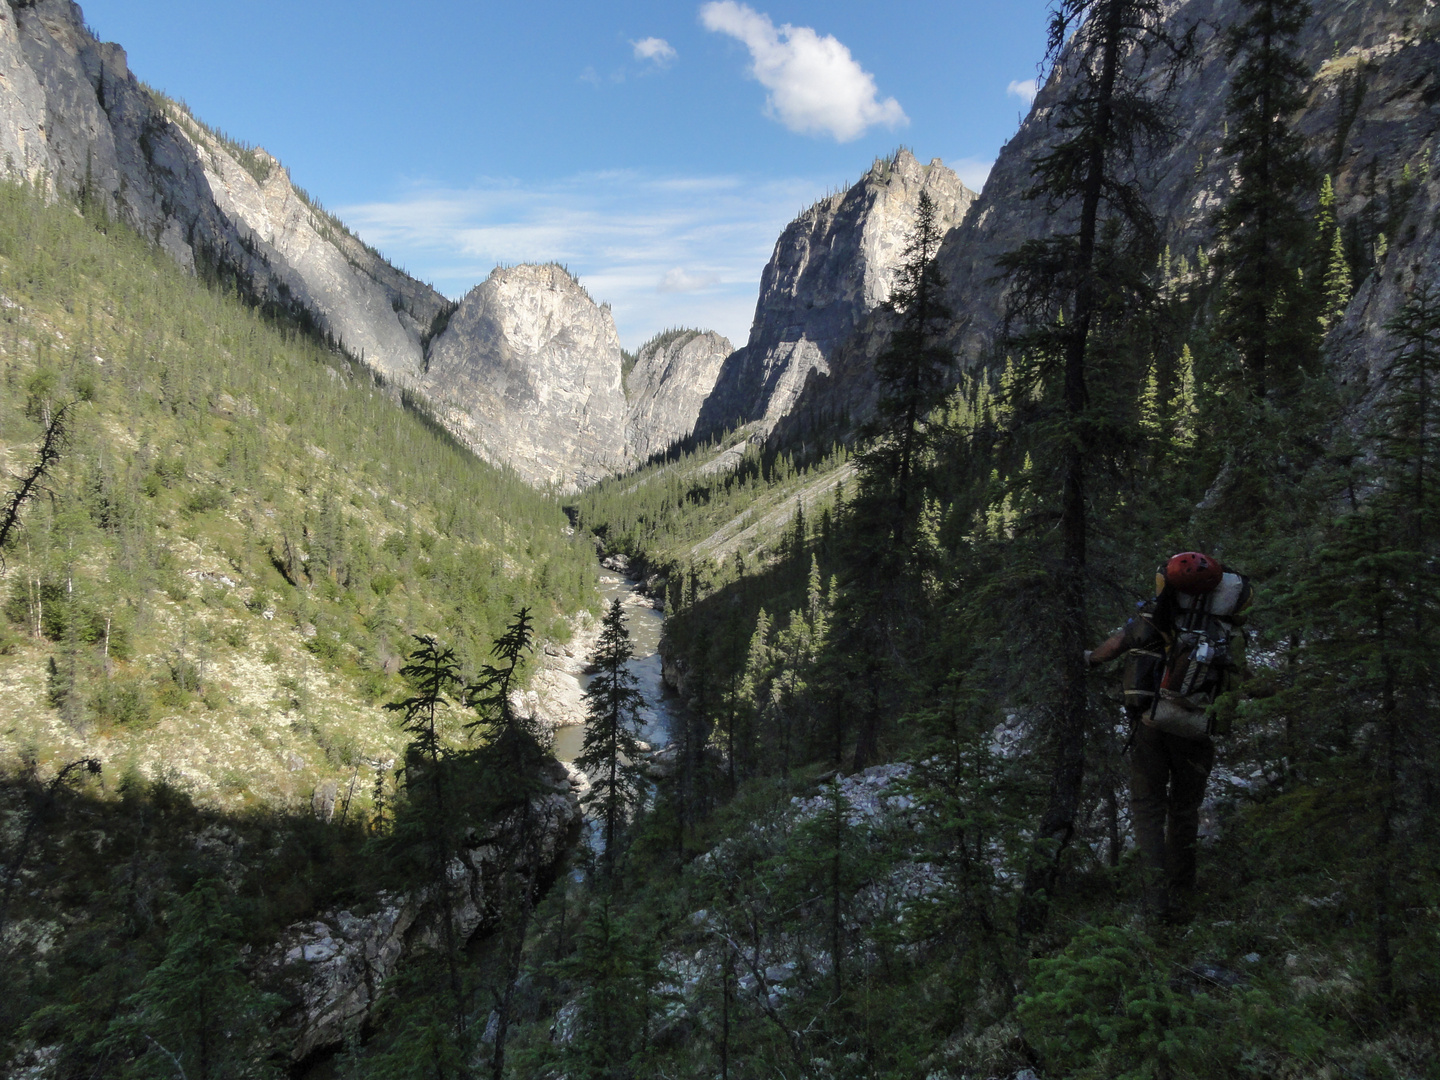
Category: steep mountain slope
[674,372]
[832,266]
[73,117]
[1372,122]
[528,373]
[240,537]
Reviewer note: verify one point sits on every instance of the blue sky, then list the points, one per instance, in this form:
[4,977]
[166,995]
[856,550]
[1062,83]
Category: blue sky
[657,149]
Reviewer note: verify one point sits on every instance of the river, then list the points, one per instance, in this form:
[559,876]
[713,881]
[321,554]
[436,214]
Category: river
[644,624]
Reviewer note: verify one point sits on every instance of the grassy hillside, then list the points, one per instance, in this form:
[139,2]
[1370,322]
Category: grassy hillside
[711,503]
[223,572]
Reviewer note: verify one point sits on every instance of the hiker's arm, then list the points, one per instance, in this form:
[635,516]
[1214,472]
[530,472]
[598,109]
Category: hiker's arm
[1108,649]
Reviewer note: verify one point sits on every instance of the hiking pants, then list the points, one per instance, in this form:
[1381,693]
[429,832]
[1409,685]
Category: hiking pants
[1167,785]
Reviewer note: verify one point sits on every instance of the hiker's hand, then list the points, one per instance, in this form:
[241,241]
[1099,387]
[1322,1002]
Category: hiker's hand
[1088,662]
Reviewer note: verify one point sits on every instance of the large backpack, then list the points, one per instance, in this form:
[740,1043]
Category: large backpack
[1203,658]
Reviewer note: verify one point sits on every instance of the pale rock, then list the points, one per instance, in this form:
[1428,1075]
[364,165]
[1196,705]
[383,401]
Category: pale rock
[832,266]
[673,375]
[336,966]
[1394,47]
[527,373]
[73,118]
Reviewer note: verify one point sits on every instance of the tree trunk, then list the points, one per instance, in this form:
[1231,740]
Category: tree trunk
[1068,772]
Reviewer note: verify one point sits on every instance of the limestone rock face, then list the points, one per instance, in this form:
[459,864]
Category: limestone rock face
[334,967]
[528,374]
[72,117]
[673,375]
[1390,51]
[832,267]
[1380,153]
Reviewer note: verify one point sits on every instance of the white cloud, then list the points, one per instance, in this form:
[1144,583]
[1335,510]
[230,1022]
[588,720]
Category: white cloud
[681,250]
[679,280]
[1024,89]
[815,86]
[657,50]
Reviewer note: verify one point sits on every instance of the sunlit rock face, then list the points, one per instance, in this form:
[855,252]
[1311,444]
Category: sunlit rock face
[1371,121]
[333,967]
[672,377]
[73,118]
[527,373]
[832,267]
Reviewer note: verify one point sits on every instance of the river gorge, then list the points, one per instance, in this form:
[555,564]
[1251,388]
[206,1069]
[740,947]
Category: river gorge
[561,686]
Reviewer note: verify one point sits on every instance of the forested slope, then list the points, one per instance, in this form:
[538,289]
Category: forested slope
[241,533]
[897,834]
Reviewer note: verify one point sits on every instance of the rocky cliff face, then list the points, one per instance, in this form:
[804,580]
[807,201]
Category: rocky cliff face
[1372,121]
[1386,52]
[832,267]
[528,374]
[73,117]
[673,375]
[334,967]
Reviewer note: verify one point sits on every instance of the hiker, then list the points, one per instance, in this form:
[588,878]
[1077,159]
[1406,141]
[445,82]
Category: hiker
[1182,650]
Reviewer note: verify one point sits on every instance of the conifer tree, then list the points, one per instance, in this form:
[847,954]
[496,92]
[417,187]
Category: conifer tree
[196,1015]
[427,833]
[510,735]
[754,694]
[1264,234]
[1367,612]
[1338,286]
[614,973]
[1079,297]
[913,373]
[611,751]
[1183,404]
[510,761]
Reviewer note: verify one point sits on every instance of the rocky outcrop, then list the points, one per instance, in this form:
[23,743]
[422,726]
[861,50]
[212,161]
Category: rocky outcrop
[75,120]
[527,373]
[673,375]
[334,968]
[832,267]
[1372,118]
[1372,121]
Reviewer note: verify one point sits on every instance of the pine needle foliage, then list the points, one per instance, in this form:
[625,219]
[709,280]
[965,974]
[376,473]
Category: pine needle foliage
[1081,301]
[195,1014]
[610,755]
[1267,305]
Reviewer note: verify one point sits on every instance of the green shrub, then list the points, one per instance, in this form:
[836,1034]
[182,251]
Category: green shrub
[325,646]
[1102,1009]
[205,498]
[121,701]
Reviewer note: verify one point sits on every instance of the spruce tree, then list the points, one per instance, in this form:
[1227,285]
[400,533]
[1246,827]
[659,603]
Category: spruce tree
[754,695]
[426,832]
[913,373]
[1264,249]
[510,739]
[1079,299]
[1365,609]
[196,1015]
[1337,284]
[509,764]
[611,752]
[614,973]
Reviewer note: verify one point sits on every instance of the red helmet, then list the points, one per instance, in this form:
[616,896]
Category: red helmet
[1191,572]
